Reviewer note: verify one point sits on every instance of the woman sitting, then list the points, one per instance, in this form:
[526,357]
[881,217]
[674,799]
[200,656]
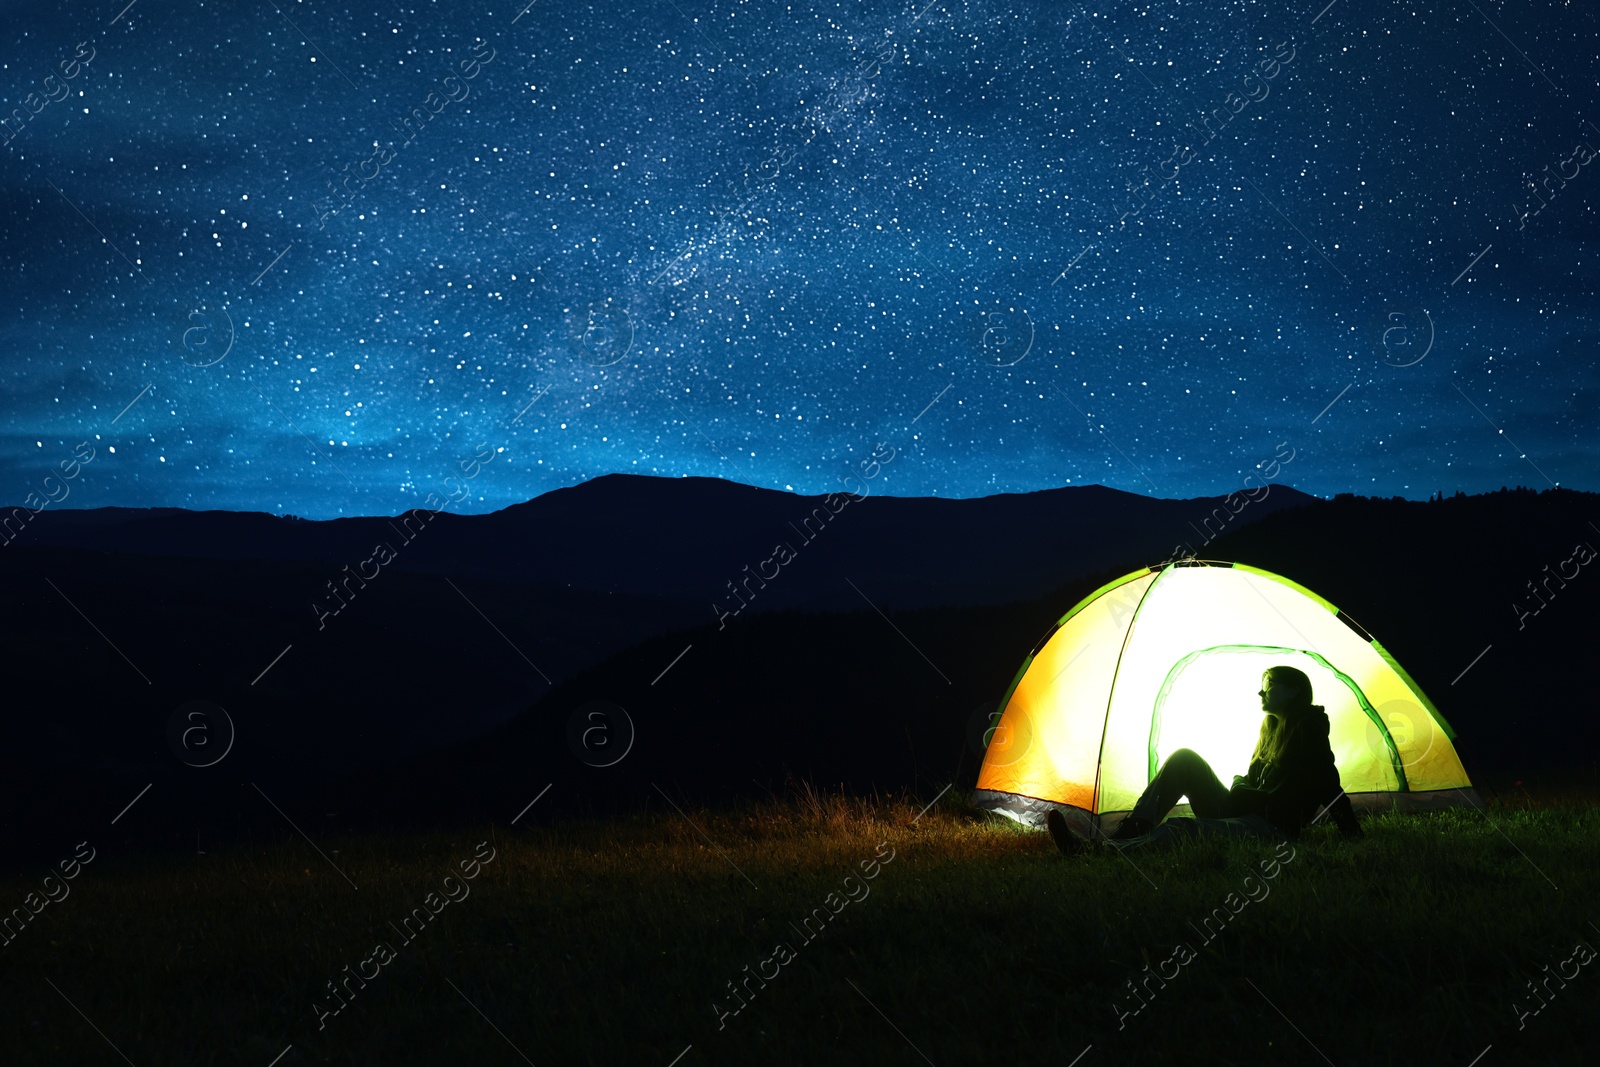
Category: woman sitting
[1291,775]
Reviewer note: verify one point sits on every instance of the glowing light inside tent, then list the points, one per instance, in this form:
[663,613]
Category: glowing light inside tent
[1211,703]
[1172,658]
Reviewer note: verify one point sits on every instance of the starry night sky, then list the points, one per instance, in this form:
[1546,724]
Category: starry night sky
[317,257]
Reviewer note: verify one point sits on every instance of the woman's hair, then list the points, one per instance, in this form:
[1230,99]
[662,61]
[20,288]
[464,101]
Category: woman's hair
[1276,730]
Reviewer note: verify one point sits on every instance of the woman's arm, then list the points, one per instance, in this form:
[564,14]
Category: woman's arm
[1247,797]
[1252,778]
[1306,779]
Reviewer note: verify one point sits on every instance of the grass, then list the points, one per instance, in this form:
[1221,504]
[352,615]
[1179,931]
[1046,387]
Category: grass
[974,943]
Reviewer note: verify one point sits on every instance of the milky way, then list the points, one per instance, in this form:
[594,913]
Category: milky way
[321,258]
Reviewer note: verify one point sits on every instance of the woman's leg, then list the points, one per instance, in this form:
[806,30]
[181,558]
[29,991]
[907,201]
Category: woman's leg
[1184,774]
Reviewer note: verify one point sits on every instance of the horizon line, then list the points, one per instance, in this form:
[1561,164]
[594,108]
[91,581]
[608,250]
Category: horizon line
[1441,495]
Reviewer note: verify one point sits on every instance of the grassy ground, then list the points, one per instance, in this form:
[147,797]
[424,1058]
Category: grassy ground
[973,943]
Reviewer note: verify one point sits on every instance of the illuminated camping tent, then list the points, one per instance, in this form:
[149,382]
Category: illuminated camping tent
[1171,658]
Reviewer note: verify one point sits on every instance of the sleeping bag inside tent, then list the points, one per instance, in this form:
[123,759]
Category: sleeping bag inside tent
[1172,657]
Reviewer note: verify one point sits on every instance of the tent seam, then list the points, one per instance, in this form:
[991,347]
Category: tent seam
[1100,753]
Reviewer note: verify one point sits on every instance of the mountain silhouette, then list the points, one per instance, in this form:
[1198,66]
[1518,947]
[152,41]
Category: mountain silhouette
[450,680]
[688,538]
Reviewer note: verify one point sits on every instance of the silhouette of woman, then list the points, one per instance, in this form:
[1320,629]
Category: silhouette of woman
[1291,775]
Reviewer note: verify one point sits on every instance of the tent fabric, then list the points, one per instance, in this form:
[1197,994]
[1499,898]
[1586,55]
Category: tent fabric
[1171,657]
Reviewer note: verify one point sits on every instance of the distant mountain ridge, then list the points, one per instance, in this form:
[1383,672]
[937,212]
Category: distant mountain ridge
[692,538]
